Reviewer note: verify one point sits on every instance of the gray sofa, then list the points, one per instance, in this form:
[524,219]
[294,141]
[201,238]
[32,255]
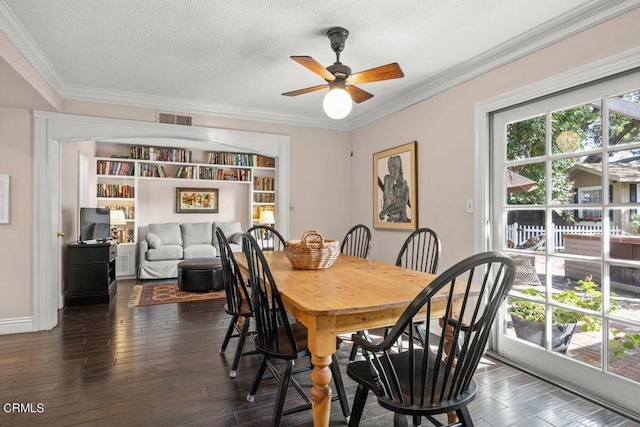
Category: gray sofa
[169,243]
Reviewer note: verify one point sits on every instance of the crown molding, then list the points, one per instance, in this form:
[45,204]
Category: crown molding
[582,18]
[198,107]
[18,36]
[551,32]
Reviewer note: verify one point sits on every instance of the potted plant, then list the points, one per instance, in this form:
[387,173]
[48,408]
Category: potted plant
[528,317]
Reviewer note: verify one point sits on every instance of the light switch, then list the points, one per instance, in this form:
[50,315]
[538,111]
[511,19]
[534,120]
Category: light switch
[469,205]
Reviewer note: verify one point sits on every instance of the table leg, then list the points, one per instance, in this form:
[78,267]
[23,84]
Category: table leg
[322,345]
[321,391]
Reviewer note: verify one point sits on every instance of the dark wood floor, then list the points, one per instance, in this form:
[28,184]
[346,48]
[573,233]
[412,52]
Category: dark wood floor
[160,365]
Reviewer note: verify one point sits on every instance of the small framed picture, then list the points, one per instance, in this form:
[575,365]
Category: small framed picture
[196,200]
[4,198]
[395,196]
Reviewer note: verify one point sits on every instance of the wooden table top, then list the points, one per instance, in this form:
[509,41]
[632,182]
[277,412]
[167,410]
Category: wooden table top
[351,285]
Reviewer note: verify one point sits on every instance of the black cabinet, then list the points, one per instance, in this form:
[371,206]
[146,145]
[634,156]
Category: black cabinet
[91,273]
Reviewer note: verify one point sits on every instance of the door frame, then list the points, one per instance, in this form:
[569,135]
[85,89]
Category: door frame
[483,111]
[52,129]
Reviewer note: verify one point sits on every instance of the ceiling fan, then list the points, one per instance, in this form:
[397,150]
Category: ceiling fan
[337,102]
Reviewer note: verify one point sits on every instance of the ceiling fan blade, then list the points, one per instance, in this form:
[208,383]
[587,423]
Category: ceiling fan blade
[313,65]
[358,95]
[384,72]
[305,90]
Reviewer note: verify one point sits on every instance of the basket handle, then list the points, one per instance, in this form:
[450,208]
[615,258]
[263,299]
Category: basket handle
[312,233]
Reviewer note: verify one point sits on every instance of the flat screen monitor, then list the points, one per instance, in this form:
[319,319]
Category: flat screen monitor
[94,224]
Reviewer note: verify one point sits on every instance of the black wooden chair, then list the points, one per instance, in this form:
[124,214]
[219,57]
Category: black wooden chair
[238,302]
[421,251]
[424,382]
[357,241]
[277,337]
[267,237]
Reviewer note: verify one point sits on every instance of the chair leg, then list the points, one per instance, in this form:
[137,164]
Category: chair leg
[400,420]
[358,405]
[464,417]
[256,381]
[337,379]
[227,337]
[354,349]
[240,347]
[282,393]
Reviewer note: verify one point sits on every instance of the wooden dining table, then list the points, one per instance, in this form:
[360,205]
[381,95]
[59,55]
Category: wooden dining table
[353,294]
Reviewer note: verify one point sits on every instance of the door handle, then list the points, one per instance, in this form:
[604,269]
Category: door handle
[60,234]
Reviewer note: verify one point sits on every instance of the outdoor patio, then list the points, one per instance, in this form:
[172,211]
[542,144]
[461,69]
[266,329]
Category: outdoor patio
[587,346]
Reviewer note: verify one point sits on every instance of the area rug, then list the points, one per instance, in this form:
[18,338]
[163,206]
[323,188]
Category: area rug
[167,293]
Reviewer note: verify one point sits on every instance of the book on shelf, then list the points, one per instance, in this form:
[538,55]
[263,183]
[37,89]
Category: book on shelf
[161,154]
[107,167]
[116,191]
[263,184]
[240,159]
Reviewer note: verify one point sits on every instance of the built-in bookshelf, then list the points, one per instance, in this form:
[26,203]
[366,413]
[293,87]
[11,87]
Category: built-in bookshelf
[117,176]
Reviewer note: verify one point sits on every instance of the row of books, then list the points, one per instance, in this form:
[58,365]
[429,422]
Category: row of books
[106,167]
[124,235]
[160,154]
[225,175]
[115,190]
[264,198]
[241,159]
[263,184]
[185,172]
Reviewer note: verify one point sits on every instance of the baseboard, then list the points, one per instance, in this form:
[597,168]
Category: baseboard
[17,325]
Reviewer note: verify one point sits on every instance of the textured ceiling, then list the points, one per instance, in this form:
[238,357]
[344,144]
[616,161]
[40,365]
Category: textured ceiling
[232,57]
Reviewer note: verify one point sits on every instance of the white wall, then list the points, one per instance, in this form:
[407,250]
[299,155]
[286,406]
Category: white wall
[156,203]
[17,236]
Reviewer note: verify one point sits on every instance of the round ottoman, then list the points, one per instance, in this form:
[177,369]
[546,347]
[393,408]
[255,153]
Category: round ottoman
[200,275]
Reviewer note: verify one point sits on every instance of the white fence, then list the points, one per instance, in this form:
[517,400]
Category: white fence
[521,233]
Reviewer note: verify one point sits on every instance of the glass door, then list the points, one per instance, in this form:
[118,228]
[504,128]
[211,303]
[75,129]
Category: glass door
[566,173]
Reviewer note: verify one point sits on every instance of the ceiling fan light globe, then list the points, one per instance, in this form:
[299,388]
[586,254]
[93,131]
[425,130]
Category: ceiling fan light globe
[337,103]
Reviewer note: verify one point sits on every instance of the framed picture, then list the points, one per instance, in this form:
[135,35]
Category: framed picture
[4,198]
[395,195]
[196,200]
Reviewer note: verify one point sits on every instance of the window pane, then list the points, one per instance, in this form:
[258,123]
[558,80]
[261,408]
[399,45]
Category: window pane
[566,176]
[525,139]
[624,175]
[525,320]
[585,343]
[525,228]
[577,129]
[525,184]
[624,118]
[624,355]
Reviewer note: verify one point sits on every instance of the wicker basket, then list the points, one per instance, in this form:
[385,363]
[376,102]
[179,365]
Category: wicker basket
[312,251]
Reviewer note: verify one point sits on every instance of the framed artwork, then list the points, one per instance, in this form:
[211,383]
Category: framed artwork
[395,195]
[196,200]
[4,198]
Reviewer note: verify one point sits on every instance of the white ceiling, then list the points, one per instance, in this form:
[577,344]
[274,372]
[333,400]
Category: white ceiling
[232,57]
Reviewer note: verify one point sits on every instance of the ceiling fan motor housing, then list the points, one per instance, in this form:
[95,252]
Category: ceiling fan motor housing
[337,37]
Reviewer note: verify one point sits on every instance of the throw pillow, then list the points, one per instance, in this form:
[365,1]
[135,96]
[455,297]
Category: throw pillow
[154,241]
[235,238]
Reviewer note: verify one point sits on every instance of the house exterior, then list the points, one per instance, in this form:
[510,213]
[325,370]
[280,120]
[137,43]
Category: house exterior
[623,179]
